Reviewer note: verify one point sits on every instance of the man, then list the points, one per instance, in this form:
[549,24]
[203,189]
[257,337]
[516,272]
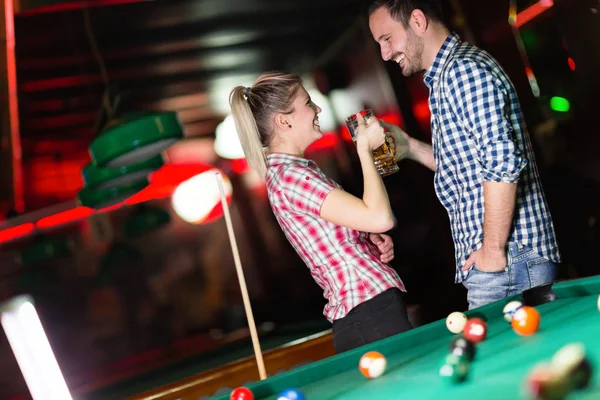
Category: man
[485,172]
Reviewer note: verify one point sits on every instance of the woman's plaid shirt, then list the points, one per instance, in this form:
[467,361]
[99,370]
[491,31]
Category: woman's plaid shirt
[342,261]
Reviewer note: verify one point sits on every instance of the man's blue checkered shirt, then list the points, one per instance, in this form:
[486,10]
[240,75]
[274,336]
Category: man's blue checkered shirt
[478,134]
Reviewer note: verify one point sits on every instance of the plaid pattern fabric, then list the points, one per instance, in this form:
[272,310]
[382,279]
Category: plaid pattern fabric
[342,261]
[479,134]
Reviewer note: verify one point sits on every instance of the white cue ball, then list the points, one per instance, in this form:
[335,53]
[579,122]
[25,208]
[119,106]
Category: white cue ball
[510,309]
[599,303]
[455,322]
[567,358]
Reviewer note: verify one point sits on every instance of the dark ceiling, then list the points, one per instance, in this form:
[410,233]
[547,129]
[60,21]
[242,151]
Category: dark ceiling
[163,55]
[159,50]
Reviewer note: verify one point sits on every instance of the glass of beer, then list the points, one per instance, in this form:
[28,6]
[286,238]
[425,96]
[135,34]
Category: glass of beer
[385,162]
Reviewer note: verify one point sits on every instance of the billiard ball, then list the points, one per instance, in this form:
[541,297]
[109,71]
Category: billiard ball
[475,330]
[510,308]
[463,348]
[290,394]
[241,393]
[571,361]
[454,369]
[372,364]
[526,321]
[544,383]
[455,322]
[598,302]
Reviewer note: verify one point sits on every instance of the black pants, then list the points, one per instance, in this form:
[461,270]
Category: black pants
[382,316]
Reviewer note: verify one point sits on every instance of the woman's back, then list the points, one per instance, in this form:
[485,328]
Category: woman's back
[343,261]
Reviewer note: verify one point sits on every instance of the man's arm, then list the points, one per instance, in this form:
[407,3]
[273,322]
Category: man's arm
[408,147]
[500,199]
[421,152]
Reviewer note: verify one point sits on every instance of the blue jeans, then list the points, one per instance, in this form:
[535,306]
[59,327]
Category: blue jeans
[525,269]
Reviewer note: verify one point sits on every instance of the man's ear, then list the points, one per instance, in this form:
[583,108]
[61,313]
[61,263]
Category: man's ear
[418,21]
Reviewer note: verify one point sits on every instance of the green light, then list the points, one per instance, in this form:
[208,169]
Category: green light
[560,104]
[530,40]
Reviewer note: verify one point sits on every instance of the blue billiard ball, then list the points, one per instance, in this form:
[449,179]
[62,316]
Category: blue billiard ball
[290,394]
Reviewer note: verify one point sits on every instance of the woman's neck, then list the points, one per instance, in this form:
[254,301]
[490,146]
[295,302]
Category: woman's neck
[286,149]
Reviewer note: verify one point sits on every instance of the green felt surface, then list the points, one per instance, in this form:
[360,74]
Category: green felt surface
[499,370]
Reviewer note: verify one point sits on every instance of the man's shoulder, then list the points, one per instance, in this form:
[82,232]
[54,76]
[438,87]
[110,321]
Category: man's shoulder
[470,64]
[467,56]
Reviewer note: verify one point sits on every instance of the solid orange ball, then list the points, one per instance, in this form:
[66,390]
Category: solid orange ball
[526,321]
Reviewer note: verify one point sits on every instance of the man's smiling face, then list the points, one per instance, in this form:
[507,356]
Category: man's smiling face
[399,44]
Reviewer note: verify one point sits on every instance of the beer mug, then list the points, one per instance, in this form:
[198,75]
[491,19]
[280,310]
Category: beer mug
[385,162]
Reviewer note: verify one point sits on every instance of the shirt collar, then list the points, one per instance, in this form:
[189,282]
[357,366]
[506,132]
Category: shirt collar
[433,72]
[275,159]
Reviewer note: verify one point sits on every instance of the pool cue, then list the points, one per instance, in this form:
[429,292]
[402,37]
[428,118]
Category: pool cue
[240,273]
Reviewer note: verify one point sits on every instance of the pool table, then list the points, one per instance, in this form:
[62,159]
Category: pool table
[203,374]
[499,370]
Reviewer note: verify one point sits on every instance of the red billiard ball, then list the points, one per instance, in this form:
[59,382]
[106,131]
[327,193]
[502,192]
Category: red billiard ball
[526,321]
[475,330]
[241,393]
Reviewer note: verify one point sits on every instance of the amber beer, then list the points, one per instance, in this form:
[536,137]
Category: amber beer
[385,162]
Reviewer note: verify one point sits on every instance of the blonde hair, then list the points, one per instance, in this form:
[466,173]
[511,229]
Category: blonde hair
[253,110]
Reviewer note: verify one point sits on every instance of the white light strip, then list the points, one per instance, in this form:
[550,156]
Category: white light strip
[32,350]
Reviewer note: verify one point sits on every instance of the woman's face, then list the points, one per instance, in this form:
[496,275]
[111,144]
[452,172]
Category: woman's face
[305,120]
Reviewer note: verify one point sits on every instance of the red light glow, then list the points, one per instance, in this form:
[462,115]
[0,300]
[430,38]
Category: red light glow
[532,12]
[16,232]
[64,217]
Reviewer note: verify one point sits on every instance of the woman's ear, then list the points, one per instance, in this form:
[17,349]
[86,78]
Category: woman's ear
[283,122]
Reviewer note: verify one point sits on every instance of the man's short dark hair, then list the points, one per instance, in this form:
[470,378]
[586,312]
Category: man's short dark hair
[401,10]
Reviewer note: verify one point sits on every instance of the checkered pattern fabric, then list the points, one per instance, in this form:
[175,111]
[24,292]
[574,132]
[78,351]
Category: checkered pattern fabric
[342,261]
[478,134]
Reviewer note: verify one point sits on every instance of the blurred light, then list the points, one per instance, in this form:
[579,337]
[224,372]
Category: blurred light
[512,12]
[227,142]
[572,64]
[32,350]
[164,181]
[535,89]
[344,104]
[219,90]
[16,232]
[530,13]
[198,199]
[529,39]
[326,118]
[560,104]
[240,166]
[421,110]
[329,140]
[64,217]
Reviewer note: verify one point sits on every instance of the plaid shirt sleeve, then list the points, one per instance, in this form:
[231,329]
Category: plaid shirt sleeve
[305,189]
[481,102]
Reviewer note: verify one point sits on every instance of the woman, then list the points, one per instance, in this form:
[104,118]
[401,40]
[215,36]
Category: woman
[326,225]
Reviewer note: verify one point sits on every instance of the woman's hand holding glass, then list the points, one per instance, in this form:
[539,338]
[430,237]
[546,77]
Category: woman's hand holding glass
[370,134]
